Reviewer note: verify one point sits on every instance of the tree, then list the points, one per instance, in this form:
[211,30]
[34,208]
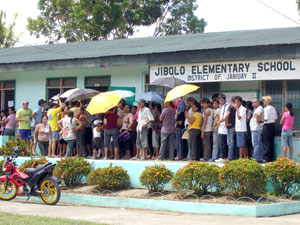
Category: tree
[86,20]
[7,37]
[179,18]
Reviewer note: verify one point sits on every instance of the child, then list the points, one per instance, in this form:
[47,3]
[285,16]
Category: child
[96,138]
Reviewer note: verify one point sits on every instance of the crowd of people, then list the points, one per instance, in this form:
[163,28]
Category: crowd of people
[193,130]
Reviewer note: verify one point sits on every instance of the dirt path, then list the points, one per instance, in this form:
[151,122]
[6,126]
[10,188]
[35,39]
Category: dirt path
[117,216]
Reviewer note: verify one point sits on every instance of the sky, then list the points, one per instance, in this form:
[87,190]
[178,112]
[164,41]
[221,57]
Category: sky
[220,15]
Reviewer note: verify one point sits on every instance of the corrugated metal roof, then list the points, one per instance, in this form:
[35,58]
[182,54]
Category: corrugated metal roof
[150,45]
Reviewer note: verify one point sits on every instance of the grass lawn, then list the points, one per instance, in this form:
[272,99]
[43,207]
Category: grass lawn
[14,219]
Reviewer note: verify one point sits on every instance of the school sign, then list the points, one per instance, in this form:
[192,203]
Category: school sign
[287,69]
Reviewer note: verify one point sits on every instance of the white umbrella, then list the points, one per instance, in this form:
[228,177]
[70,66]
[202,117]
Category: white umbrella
[82,94]
[124,93]
[69,92]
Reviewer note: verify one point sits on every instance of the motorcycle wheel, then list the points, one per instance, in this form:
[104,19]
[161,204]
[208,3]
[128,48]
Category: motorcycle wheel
[50,191]
[8,194]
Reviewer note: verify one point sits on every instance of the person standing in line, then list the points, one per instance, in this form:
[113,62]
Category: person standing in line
[41,135]
[88,132]
[256,127]
[241,127]
[287,123]
[10,123]
[270,117]
[68,126]
[3,118]
[62,142]
[97,139]
[222,130]
[36,119]
[156,130]
[53,117]
[194,130]
[190,102]
[214,129]
[249,115]
[80,133]
[133,128]
[167,131]
[180,119]
[206,128]
[126,120]
[230,125]
[145,117]
[24,116]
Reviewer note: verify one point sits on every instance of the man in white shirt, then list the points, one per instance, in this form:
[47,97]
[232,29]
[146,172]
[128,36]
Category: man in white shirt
[270,117]
[145,117]
[241,127]
[222,130]
[256,127]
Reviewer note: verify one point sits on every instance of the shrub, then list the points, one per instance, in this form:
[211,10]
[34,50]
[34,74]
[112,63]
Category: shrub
[284,175]
[1,165]
[17,145]
[109,178]
[155,177]
[72,170]
[243,177]
[33,163]
[196,176]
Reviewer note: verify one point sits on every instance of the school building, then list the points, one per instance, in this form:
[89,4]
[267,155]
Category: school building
[247,63]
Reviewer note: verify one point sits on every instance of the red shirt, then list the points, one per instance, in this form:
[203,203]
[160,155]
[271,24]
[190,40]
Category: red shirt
[112,120]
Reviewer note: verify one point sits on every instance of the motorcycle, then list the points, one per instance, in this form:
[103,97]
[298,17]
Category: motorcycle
[39,182]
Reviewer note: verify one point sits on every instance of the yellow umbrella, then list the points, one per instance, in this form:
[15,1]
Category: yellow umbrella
[180,91]
[102,102]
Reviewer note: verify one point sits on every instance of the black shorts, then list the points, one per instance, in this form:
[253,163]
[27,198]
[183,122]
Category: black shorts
[88,135]
[96,143]
[133,137]
[62,141]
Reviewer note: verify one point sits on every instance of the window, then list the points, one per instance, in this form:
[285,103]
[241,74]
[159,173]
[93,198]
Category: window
[149,87]
[100,83]
[59,85]
[7,93]
[275,90]
[293,96]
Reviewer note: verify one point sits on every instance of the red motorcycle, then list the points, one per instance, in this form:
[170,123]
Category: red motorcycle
[39,182]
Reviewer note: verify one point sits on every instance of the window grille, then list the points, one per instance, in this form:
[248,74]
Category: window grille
[293,96]
[59,85]
[100,83]
[7,93]
[275,90]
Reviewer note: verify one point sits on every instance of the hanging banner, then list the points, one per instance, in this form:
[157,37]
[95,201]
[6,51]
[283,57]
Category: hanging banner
[286,69]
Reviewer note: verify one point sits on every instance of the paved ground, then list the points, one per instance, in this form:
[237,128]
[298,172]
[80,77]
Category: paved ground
[117,216]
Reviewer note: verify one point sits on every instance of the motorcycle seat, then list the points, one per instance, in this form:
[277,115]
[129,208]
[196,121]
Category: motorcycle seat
[31,171]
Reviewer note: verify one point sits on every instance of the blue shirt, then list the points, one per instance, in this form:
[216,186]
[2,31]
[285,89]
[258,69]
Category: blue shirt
[38,115]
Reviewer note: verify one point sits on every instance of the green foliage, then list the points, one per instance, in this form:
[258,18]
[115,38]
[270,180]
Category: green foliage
[1,165]
[109,178]
[7,37]
[243,177]
[155,177]
[72,170]
[33,163]
[284,175]
[74,20]
[22,149]
[196,176]
[179,18]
